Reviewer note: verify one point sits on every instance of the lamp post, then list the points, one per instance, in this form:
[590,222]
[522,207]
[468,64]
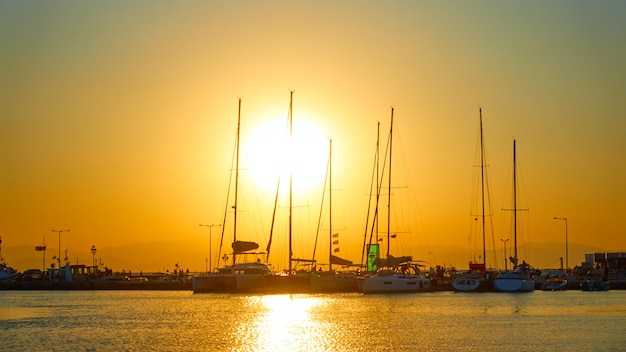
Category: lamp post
[504,246]
[566,249]
[59,232]
[210,241]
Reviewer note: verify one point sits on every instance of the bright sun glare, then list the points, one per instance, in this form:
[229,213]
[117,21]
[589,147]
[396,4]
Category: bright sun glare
[270,151]
[287,321]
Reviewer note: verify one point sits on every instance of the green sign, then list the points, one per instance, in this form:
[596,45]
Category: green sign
[373,253]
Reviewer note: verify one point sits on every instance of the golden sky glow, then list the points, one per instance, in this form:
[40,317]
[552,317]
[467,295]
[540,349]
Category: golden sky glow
[118,120]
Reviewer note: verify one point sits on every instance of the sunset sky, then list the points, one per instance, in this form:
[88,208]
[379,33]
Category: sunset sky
[118,120]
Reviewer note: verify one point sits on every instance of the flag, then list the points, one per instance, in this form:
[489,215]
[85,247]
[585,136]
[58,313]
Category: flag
[336,250]
[336,242]
[335,235]
[393,236]
[40,248]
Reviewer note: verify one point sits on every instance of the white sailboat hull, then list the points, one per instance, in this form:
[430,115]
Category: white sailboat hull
[7,275]
[513,282]
[6,272]
[396,283]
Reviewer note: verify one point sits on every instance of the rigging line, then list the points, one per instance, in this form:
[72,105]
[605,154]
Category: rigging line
[379,187]
[269,242]
[412,190]
[226,207]
[369,203]
[230,181]
[375,221]
[319,221]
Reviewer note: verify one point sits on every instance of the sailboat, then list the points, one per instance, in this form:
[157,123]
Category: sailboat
[237,277]
[477,279]
[519,279]
[291,281]
[394,274]
[331,280]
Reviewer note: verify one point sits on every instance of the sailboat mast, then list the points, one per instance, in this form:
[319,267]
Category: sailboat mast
[330,207]
[482,185]
[514,202]
[236,181]
[290,176]
[389,183]
[377,180]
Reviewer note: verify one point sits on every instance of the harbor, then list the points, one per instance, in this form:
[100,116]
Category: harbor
[604,267]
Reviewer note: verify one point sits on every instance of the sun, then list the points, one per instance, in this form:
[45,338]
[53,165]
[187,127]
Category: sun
[273,153]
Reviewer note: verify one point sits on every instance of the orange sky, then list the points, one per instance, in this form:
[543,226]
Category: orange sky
[117,120]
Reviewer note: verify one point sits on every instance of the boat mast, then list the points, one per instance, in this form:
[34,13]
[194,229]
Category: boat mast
[236,181]
[377,180]
[330,207]
[290,175]
[482,185]
[389,182]
[514,203]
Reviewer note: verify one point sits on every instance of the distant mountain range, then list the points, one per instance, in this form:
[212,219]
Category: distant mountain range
[163,256]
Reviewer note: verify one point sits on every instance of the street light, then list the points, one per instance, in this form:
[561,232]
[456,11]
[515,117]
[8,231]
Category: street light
[59,258]
[210,241]
[505,259]
[566,249]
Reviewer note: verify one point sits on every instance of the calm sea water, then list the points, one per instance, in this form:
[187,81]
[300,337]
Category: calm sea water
[439,321]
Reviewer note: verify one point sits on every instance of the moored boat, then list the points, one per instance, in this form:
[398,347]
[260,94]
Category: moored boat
[237,277]
[394,274]
[599,282]
[392,281]
[6,272]
[331,280]
[477,278]
[519,279]
[472,281]
[554,283]
[241,277]
[595,285]
[516,280]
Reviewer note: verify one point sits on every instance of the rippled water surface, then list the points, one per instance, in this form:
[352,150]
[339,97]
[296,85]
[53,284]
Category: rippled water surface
[183,321]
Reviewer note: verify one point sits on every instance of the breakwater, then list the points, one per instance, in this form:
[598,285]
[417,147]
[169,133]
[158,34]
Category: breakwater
[95,285]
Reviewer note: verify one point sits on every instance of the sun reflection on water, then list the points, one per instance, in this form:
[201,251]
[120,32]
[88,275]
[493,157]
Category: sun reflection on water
[283,322]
